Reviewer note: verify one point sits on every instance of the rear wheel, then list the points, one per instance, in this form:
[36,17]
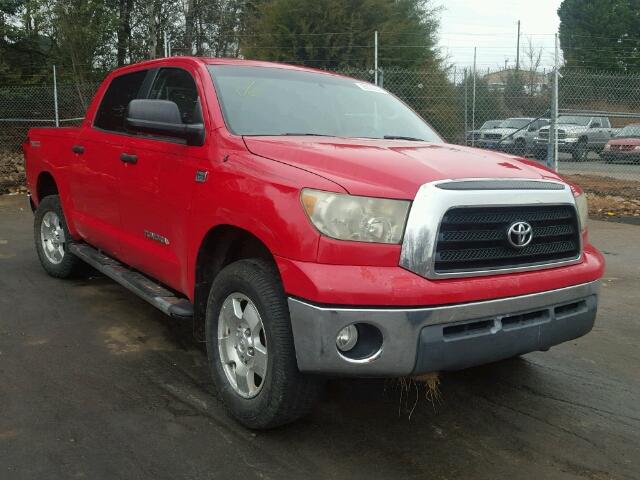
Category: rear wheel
[250,348]
[52,239]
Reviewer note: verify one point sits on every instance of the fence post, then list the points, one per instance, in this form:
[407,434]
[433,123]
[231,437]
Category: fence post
[552,146]
[466,108]
[375,57]
[55,97]
[473,99]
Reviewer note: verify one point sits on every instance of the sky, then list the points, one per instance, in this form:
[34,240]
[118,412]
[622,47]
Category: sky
[491,26]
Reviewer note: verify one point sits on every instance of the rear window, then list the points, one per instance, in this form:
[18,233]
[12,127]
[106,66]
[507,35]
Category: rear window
[114,104]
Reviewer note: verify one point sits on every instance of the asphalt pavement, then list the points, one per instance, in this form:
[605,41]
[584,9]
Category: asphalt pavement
[97,384]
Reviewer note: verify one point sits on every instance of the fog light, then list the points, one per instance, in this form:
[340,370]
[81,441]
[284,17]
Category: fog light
[347,338]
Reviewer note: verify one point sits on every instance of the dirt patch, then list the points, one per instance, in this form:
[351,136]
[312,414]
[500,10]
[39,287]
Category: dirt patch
[124,339]
[609,197]
[12,176]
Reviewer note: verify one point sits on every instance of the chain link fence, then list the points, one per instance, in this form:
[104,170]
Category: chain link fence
[507,110]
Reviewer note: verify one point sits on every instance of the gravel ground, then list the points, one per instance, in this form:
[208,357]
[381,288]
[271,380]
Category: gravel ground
[97,384]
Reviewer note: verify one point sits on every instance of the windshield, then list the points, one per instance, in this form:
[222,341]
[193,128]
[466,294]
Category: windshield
[515,123]
[574,120]
[278,101]
[490,124]
[630,131]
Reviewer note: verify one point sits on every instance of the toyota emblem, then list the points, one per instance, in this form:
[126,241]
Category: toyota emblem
[520,234]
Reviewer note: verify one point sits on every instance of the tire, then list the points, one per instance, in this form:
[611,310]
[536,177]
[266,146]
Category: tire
[580,151]
[540,154]
[52,239]
[284,394]
[520,147]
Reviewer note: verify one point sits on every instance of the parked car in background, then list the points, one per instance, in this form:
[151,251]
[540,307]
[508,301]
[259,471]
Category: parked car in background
[577,135]
[474,135]
[513,135]
[624,147]
[310,225]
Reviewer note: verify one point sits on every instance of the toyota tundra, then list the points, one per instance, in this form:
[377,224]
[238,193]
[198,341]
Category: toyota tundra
[309,225]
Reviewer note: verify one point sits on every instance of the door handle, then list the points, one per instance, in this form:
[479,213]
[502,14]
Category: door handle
[128,158]
[79,149]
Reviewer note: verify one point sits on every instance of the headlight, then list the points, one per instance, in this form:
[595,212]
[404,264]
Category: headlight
[607,146]
[360,219]
[583,210]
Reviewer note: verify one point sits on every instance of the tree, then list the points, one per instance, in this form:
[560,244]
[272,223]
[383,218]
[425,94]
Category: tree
[603,34]
[333,33]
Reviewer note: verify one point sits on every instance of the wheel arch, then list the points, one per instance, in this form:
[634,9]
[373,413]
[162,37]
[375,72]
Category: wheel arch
[221,246]
[45,185]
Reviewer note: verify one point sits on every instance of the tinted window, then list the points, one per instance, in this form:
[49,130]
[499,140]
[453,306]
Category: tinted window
[177,85]
[114,104]
[279,101]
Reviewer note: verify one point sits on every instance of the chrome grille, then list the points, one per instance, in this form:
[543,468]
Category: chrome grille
[492,136]
[475,238]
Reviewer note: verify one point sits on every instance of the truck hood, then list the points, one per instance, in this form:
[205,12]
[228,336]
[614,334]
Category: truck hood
[571,129]
[501,131]
[391,168]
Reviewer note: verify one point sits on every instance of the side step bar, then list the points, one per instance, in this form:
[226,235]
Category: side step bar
[144,287]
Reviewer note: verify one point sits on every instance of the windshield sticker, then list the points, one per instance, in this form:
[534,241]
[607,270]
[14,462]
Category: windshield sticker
[371,88]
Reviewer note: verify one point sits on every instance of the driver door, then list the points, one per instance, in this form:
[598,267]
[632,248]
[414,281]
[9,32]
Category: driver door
[157,186]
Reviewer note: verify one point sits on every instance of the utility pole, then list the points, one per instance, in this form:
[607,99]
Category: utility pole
[375,57]
[518,48]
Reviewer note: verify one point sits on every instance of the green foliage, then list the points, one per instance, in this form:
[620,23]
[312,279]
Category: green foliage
[602,34]
[297,31]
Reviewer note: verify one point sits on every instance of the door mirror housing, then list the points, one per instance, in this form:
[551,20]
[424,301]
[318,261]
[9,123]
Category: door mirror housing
[162,118]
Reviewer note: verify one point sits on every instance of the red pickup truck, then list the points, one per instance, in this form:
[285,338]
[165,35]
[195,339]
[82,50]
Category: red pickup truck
[310,225]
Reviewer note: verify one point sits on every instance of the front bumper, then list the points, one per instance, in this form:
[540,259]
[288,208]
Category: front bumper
[452,337]
[564,144]
[620,157]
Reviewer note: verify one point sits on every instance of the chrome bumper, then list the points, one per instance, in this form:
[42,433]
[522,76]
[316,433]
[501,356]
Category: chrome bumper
[419,340]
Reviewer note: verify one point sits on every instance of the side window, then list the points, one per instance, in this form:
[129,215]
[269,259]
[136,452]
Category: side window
[114,104]
[177,85]
[605,122]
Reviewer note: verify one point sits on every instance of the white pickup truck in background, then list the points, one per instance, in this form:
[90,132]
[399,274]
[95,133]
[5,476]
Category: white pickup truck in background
[577,135]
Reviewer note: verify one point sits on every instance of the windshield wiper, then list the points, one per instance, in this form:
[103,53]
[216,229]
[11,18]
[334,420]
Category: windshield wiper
[306,134]
[400,137]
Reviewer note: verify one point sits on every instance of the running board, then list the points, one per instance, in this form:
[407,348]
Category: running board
[144,287]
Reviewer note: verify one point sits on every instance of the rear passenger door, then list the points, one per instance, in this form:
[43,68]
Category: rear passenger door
[95,181]
[156,190]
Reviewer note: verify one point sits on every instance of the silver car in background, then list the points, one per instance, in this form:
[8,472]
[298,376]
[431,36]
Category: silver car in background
[513,135]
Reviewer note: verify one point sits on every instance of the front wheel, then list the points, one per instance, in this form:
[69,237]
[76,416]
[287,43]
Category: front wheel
[52,239]
[520,147]
[580,151]
[250,348]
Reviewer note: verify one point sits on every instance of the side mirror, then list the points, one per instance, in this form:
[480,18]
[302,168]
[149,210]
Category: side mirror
[162,117]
